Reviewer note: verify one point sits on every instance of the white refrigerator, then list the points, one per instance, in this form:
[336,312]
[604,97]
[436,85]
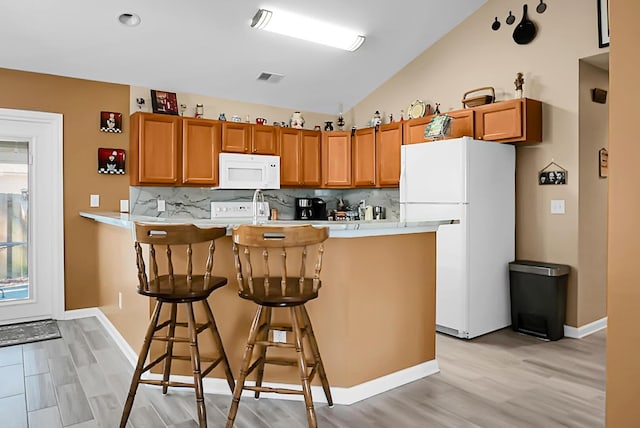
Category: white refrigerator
[473,182]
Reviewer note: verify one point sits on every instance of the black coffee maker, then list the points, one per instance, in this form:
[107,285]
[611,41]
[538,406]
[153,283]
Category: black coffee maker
[304,209]
[319,208]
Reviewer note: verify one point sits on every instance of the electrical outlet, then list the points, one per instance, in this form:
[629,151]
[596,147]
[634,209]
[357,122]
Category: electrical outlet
[557,206]
[94,201]
[119,299]
[161,205]
[124,205]
[280,336]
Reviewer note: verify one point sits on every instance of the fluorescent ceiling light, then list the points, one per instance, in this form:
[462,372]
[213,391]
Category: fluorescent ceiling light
[308,29]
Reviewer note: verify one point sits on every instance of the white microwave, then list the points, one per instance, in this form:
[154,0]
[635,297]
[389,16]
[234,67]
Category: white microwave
[240,171]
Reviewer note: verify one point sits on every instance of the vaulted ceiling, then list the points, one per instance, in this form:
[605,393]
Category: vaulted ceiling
[207,47]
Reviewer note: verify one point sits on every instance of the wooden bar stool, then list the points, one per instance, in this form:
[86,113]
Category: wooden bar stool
[275,248]
[174,289]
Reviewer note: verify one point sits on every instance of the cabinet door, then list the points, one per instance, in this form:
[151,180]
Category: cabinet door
[414,130]
[154,148]
[336,159]
[388,142]
[200,149]
[364,157]
[512,121]
[264,140]
[236,137]
[290,157]
[462,124]
[499,121]
[311,160]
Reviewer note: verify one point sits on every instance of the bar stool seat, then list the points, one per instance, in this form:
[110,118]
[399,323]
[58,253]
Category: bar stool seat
[175,289]
[276,248]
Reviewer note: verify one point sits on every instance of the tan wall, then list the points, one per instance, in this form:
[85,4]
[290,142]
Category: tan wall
[471,56]
[623,335]
[375,314]
[592,229]
[214,106]
[80,102]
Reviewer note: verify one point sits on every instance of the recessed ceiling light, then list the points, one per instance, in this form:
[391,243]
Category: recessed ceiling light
[129,19]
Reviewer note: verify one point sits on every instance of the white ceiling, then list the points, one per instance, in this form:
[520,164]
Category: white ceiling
[207,47]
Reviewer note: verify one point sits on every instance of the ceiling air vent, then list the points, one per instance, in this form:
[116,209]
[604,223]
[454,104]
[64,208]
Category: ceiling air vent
[270,77]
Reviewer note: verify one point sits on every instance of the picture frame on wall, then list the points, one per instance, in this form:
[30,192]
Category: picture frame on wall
[603,23]
[164,102]
[111,161]
[111,121]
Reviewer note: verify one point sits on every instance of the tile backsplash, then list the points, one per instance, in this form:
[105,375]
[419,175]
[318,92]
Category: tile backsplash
[190,202]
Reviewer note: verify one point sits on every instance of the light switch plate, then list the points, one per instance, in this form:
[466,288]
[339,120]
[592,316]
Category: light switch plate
[94,201]
[161,206]
[557,206]
[124,206]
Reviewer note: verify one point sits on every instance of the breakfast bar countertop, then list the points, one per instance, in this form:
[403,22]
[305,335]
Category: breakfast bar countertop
[337,229]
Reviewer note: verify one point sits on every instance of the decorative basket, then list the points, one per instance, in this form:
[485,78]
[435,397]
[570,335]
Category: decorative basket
[479,100]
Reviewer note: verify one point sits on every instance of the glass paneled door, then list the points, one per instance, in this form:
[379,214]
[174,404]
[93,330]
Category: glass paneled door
[14,221]
[31,216]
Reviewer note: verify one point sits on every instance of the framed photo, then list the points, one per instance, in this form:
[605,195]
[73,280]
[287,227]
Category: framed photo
[603,23]
[552,177]
[111,121]
[111,161]
[164,102]
[603,163]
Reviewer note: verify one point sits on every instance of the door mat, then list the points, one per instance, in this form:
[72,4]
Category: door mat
[27,332]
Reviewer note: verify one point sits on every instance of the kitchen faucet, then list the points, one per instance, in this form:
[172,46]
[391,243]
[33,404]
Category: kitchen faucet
[258,205]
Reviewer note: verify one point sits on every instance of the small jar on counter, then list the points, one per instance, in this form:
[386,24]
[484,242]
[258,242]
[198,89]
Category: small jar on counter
[274,213]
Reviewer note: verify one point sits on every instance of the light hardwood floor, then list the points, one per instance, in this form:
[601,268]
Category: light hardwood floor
[503,379]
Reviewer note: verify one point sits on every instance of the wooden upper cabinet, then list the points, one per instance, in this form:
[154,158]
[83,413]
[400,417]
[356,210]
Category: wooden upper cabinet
[414,130]
[311,159]
[290,148]
[236,137]
[518,120]
[336,159]
[462,125]
[364,157]
[300,161]
[154,149]
[201,142]
[264,140]
[240,137]
[388,143]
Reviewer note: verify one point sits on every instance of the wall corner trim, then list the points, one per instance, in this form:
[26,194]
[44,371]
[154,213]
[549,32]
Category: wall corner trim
[585,330]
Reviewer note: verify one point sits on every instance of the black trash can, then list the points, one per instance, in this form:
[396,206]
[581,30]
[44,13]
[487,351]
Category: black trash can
[538,298]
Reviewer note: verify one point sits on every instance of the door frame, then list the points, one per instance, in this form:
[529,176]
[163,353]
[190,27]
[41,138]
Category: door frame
[45,135]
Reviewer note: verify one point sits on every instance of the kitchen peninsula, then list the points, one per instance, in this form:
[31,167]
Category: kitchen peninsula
[374,319]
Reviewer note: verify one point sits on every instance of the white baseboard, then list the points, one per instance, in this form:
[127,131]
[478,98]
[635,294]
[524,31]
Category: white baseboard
[127,350]
[585,330]
[340,395]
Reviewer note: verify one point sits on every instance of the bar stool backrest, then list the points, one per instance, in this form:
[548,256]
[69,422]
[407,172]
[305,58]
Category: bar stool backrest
[264,241]
[168,236]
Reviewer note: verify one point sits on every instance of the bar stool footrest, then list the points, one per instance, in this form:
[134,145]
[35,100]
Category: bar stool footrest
[274,390]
